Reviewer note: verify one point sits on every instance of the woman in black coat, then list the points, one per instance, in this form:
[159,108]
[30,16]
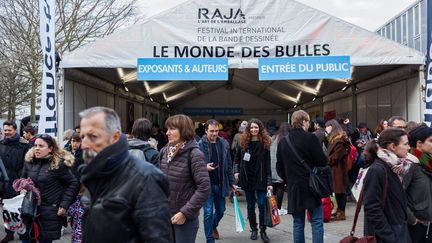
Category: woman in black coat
[252,170]
[384,198]
[49,169]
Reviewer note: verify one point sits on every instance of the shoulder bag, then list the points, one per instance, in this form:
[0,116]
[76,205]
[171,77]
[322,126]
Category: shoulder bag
[320,180]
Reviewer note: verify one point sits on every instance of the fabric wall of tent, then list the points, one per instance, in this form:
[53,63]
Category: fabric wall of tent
[101,72]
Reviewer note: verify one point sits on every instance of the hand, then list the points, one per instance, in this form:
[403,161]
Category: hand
[179,218]
[210,167]
[270,188]
[236,176]
[61,212]
[418,221]
[234,187]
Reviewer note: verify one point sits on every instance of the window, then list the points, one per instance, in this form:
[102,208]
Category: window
[398,30]
[416,21]
[410,27]
[404,29]
[392,31]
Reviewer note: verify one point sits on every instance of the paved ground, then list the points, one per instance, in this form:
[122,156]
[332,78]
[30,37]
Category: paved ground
[333,231]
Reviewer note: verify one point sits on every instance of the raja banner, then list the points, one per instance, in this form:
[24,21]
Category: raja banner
[428,74]
[48,113]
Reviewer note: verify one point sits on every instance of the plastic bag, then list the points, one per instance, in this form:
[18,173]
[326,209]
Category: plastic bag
[12,215]
[271,213]
[239,222]
[358,185]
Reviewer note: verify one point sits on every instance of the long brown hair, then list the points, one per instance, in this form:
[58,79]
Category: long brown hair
[263,135]
[337,131]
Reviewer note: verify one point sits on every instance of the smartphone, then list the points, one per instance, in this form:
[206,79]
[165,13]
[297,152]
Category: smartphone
[214,165]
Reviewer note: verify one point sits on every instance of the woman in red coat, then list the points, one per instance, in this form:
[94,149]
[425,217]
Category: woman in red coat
[337,153]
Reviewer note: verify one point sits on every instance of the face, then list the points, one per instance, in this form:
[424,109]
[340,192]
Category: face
[363,130]
[329,129]
[401,150]
[306,124]
[9,131]
[426,146]
[385,124]
[399,124]
[95,137]
[212,132]
[173,135]
[27,135]
[75,144]
[41,148]
[254,129]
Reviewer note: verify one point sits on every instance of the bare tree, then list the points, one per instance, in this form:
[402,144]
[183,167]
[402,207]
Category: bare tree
[78,22]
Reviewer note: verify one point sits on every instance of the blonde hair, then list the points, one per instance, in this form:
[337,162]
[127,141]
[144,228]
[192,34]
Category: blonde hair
[298,117]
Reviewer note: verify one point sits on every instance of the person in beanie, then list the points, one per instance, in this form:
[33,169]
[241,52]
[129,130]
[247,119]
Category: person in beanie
[319,126]
[418,185]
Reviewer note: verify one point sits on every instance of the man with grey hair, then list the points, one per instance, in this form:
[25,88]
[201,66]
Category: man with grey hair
[126,199]
[397,122]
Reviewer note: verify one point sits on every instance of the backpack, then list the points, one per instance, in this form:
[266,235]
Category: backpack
[146,153]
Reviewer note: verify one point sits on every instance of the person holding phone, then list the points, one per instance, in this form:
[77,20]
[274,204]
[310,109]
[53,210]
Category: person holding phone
[218,158]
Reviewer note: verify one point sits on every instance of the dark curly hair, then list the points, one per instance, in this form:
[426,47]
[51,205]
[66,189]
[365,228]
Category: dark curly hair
[263,135]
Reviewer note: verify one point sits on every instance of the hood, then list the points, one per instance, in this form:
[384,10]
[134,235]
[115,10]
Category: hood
[66,156]
[107,161]
[135,142]
[153,143]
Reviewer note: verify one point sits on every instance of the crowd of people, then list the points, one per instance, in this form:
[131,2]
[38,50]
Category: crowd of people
[149,186]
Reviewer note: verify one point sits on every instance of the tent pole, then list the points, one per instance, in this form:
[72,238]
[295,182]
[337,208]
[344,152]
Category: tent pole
[60,106]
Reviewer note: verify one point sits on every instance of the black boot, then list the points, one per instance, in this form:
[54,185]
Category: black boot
[254,234]
[263,234]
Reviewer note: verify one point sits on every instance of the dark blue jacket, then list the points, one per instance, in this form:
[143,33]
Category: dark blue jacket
[223,151]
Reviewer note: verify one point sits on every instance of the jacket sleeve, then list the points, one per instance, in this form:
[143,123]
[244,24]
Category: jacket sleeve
[152,214]
[237,159]
[372,199]
[318,156]
[202,182]
[280,169]
[268,167]
[72,186]
[229,167]
[24,171]
[411,218]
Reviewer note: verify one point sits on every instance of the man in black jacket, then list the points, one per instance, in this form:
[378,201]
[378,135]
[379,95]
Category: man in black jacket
[296,176]
[12,151]
[218,157]
[126,200]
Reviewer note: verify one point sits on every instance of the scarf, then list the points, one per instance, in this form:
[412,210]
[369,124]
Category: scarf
[425,159]
[11,140]
[398,165]
[173,149]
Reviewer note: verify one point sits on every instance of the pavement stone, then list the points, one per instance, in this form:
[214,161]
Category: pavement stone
[333,231]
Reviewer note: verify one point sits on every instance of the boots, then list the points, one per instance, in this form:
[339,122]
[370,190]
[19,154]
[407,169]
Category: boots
[263,234]
[254,234]
[340,215]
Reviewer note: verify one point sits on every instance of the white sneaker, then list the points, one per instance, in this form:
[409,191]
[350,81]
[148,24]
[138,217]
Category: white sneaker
[282,211]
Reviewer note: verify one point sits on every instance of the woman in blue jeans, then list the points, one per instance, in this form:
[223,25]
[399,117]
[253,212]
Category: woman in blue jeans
[252,170]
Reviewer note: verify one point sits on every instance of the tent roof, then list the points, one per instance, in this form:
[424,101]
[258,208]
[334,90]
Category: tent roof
[293,26]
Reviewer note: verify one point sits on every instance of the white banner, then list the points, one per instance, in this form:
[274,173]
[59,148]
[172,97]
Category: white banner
[48,113]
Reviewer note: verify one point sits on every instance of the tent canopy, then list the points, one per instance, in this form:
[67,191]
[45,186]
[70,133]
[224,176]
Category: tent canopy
[243,31]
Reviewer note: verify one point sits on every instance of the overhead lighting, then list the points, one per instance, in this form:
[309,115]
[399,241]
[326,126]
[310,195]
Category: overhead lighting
[313,100]
[345,88]
[146,86]
[151,99]
[120,73]
[295,106]
[167,106]
[125,88]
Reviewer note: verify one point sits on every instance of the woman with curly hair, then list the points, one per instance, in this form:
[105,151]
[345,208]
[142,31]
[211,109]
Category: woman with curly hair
[48,167]
[252,170]
[337,154]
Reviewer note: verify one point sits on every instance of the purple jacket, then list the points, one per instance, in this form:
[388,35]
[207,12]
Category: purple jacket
[188,193]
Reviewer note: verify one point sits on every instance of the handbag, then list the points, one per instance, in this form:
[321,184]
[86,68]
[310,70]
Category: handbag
[368,238]
[320,180]
[271,213]
[6,188]
[29,206]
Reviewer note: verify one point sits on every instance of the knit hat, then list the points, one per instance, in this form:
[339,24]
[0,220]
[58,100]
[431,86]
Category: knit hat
[420,133]
[243,126]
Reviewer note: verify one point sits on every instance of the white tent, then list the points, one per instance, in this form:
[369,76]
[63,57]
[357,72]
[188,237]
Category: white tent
[243,31]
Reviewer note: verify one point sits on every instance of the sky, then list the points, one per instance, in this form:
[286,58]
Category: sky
[369,14]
